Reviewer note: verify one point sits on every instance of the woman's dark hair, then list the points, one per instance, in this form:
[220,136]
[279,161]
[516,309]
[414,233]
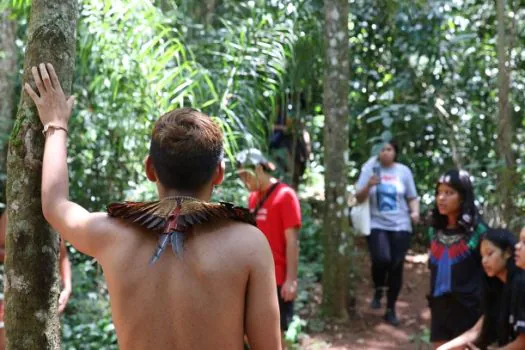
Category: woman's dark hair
[394,145]
[495,323]
[468,216]
[501,238]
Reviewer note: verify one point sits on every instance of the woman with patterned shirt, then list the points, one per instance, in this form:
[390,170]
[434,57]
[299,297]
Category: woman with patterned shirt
[455,260]
[503,320]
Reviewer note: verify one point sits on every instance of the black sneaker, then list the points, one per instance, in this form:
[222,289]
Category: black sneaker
[391,318]
[376,301]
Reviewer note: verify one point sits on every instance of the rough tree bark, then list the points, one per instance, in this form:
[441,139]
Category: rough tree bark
[337,239]
[7,89]
[507,174]
[32,248]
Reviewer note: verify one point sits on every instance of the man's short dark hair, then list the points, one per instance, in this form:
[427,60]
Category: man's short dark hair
[186,147]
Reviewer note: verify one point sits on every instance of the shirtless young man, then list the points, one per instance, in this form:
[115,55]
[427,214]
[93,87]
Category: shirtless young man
[221,288]
[64,270]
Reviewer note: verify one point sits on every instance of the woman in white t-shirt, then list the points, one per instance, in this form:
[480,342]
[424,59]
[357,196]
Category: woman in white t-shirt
[394,206]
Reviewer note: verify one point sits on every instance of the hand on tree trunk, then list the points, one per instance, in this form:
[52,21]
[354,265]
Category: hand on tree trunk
[54,109]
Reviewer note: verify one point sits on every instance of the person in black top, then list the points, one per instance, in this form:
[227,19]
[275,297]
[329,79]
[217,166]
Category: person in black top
[503,320]
[454,259]
[520,250]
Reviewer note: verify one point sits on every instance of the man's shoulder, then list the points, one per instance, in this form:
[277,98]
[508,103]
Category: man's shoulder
[242,229]
[240,237]
[231,228]
[99,235]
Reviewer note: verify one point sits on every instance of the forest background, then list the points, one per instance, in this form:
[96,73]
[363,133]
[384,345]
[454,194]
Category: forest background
[445,78]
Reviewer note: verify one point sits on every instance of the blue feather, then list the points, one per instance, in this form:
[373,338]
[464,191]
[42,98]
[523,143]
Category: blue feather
[161,246]
[177,242]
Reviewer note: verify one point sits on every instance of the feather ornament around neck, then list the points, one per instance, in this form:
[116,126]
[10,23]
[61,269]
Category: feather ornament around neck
[172,218]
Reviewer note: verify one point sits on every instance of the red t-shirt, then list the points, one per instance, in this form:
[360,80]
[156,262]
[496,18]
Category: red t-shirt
[279,212]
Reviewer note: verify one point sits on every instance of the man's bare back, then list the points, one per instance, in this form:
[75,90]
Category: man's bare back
[221,288]
[197,296]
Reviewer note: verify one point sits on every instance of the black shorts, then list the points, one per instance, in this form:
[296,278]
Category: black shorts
[285,311]
[451,317]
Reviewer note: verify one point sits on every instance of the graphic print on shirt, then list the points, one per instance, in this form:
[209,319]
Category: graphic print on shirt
[262,214]
[448,250]
[386,197]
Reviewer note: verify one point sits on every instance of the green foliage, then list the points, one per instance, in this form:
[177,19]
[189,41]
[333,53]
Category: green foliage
[427,75]
[311,257]
[421,339]
[132,67]
[87,320]
[423,72]
[135,62]
[293,332]
[310,271]
[18,8]
[247,52]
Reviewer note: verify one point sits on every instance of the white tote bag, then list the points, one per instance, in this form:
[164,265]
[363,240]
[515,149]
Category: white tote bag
[360,215]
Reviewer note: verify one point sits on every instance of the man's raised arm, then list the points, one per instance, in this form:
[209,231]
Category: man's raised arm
[82,229]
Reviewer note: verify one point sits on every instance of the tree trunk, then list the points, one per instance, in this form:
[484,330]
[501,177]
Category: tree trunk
[211,5]
[507,174]
[7,89]
[337,239]
[205,10]
[32,248]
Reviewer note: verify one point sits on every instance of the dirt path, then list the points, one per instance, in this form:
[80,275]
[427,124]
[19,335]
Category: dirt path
[369,332]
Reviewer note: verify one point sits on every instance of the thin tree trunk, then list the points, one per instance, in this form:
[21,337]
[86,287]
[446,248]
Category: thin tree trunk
[31,264]
[203,11]
[337,239]
[296,132]
[504,141]
[210,6]
[7,89]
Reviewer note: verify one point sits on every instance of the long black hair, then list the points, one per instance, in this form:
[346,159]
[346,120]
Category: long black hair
[468,216]
[495,307]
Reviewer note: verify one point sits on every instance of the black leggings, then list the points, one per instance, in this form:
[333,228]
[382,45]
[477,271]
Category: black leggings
[387,252]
